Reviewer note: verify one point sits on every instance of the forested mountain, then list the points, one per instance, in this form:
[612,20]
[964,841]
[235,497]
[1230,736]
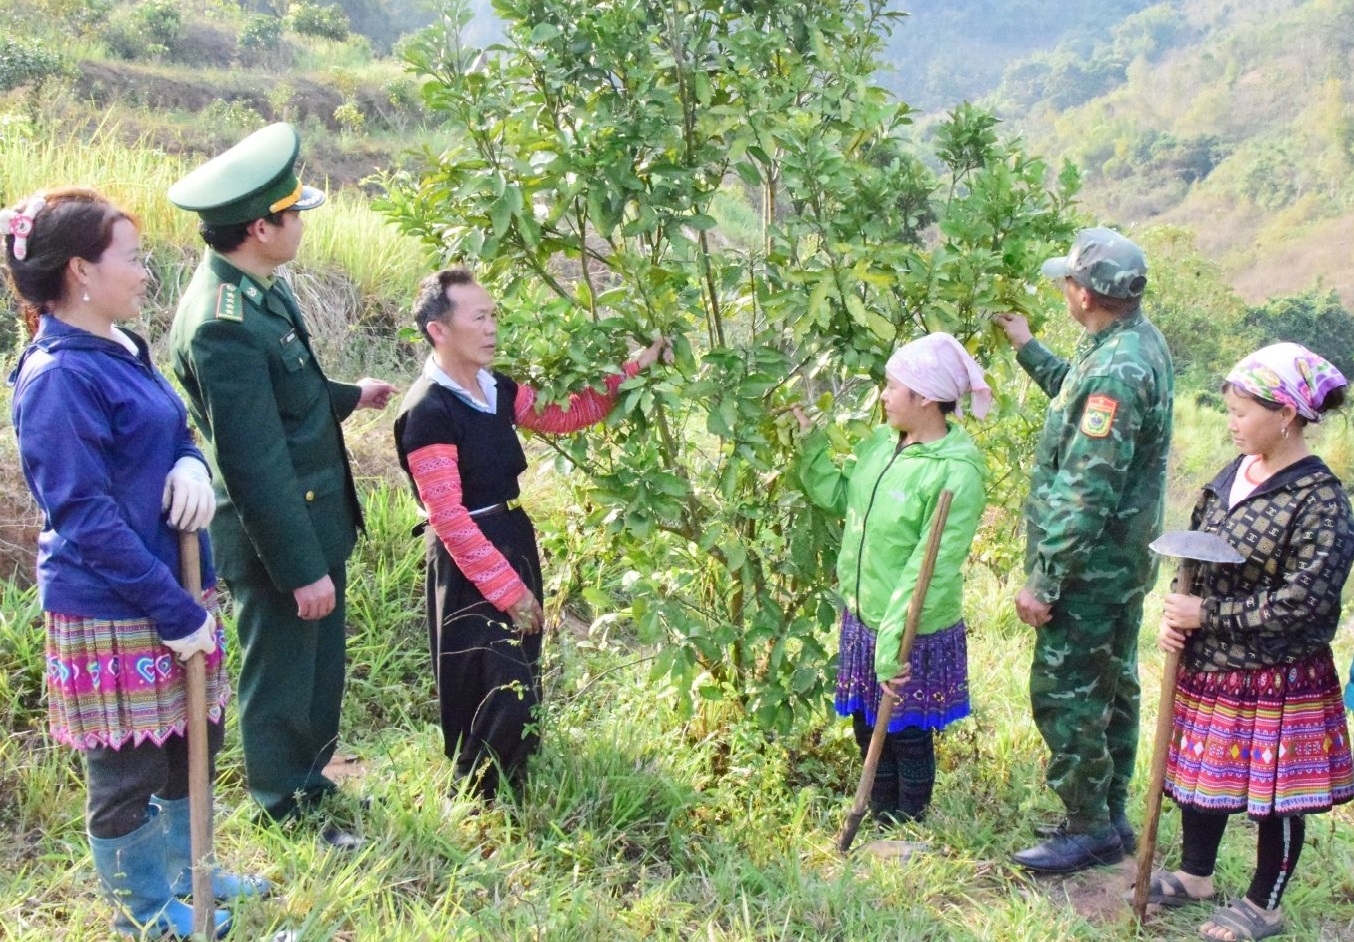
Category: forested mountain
[947,51]
[1231,119]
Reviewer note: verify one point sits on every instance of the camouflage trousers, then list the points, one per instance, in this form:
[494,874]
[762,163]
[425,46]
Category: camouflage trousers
[1084,695]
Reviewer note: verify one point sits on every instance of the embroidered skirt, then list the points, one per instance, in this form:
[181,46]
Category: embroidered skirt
[1271,741]
[111,681]
[934,696]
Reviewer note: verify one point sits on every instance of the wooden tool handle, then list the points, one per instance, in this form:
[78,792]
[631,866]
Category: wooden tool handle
[199,775]
[1156,779]
[889,699]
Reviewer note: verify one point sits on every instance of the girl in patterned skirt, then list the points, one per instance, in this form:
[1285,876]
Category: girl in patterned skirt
[1259,726]
[107,453]
[888,493]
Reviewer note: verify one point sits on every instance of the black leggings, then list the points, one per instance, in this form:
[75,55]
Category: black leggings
[1278,846]
[122,781]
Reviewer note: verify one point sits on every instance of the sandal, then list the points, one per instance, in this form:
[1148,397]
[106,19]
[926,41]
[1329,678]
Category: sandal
[1166,889]
[1243,921]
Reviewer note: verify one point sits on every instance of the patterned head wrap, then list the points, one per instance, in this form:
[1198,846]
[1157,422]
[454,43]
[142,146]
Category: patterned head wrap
[1289,374]
[938,367]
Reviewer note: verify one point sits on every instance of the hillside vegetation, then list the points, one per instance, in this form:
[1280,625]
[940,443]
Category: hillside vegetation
[1233,120]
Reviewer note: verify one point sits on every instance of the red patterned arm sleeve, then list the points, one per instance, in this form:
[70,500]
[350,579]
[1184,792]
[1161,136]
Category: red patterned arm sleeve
[437,476]
[583,408]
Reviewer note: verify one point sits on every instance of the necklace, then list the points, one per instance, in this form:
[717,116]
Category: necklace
[1250,466]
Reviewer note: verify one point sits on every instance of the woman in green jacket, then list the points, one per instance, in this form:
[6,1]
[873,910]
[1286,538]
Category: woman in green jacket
[888,491]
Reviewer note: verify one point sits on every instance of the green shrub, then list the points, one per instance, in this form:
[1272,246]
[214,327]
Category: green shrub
[160,20]
[350,118]
[312,19]
[234,114]
[144,31]
[27,64]
[262,32]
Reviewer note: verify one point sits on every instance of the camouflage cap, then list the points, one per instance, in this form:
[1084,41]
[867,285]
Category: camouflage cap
[1104,261]
[252,179]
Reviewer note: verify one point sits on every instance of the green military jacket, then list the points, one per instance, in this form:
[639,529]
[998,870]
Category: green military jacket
[270,422]
[1097,494]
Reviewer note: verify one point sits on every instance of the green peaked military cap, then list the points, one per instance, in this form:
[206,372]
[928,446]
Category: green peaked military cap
[254,178]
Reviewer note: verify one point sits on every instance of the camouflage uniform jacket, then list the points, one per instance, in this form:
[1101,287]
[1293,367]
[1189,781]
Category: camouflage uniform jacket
[1098,489]
[1283,603]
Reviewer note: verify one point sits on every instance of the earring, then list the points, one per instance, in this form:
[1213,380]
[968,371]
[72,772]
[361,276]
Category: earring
[85,298]
[1284,431]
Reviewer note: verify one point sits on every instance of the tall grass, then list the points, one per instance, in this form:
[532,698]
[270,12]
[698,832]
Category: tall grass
[346,243]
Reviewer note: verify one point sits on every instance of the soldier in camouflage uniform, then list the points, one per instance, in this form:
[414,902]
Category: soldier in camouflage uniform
[1096,501]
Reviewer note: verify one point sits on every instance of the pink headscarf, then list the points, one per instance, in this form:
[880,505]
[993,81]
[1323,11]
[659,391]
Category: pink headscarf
[1289,374]
[938,367]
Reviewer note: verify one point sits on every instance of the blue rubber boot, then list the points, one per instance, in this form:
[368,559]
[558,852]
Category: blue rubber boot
[132,871]
[177,822]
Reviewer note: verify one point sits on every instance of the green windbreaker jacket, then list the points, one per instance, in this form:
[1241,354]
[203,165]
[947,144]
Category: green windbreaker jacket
[888,496]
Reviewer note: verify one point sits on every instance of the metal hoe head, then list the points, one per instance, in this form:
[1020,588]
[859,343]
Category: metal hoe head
[1196,545]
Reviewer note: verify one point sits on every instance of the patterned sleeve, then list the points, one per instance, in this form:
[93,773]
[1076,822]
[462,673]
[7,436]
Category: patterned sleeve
[437,477]
[583,408]
[1311,575]
[1104,418]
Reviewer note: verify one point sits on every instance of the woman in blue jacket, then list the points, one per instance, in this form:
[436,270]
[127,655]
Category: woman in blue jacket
[888,492]
[106,451]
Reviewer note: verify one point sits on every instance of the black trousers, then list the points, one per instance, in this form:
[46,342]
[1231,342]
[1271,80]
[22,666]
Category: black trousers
[487,672]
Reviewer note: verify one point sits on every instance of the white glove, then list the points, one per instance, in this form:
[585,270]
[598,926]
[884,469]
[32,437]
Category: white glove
[188,496]
[204,640]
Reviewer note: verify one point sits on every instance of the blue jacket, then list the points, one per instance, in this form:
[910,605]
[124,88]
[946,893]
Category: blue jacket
[99,430]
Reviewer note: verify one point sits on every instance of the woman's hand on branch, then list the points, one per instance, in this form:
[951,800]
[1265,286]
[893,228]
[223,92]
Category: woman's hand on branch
[526,614]
[659,349]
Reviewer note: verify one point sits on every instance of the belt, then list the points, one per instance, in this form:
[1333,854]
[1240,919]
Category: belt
[500,507]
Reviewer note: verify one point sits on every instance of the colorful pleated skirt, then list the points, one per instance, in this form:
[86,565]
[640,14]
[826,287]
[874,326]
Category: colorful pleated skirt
[934,696]
[1271,741]
[111,681]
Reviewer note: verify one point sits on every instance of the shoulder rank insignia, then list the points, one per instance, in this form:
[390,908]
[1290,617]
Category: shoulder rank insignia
[1098,418]
[228,304]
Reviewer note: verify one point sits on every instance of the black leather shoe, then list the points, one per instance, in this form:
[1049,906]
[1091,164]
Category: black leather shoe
[1127,837]
[1070,852]
[340,839]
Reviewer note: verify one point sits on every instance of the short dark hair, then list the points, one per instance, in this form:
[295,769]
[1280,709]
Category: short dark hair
[430,300]
[74,222]
[229,237]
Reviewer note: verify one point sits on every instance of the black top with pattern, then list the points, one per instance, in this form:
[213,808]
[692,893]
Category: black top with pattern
[1283,602]
[489,453]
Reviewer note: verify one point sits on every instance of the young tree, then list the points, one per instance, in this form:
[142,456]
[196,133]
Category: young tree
[725,172]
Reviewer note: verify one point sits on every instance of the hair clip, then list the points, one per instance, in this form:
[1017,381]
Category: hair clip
[20,224]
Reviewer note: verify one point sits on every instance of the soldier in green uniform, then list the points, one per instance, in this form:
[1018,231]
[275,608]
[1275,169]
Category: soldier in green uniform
[270,420]
[1096,501]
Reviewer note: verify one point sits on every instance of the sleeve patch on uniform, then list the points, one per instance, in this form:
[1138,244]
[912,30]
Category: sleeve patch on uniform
[1098,418]
[228,304]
